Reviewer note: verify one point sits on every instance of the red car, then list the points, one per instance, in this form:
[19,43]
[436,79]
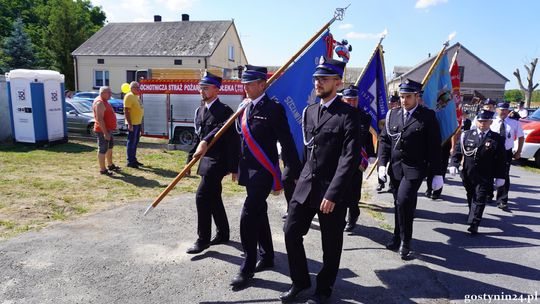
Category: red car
[531,130]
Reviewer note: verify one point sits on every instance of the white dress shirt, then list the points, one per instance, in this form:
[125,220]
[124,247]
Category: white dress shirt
[513,131]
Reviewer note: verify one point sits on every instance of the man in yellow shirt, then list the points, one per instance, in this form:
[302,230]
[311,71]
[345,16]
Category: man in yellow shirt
[133,111]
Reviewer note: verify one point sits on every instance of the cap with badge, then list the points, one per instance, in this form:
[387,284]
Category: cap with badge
[329,67]
[254,73]
[489,102]
[350,92]
[210,79]
[394,98]
[485,115]
[410,86]
[503,105]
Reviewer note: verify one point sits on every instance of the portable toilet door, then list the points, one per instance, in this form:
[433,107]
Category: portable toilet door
[37,106]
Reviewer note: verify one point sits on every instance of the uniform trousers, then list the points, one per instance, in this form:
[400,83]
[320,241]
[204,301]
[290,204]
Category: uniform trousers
[405,199]
[254,226]
[331,227]
[210,205]
[502,192]
[477,196]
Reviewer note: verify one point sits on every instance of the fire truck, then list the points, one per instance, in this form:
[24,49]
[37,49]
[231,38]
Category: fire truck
[170,98]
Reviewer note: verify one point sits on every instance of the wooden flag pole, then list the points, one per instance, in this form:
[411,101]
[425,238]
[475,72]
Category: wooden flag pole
[338,15]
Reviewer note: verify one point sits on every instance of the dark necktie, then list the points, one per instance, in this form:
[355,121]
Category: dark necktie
[321,111]
[407,115]
[502,130]
[481,136]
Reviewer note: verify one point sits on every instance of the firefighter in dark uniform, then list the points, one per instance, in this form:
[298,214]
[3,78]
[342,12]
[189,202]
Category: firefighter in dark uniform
[411,142]
[483,166]
[331,153]
[350,96]
[261,126]
[216,162]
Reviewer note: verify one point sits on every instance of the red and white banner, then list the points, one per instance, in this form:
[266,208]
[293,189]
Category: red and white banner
[188,86]
[454,75]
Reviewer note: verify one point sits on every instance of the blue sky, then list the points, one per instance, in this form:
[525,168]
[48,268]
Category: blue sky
[505,34]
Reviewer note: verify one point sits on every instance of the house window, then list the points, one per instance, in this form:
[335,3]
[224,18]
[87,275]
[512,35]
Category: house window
[231,53]
[461,73]
[101,61]
[130,76]
[178,62]
[199,61]
[101,78]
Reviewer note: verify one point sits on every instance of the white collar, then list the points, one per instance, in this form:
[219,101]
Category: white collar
[328,103]
[256,100]
[208,105]
[411,111]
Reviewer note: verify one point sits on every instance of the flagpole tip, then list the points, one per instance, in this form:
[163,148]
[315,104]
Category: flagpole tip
[148,209]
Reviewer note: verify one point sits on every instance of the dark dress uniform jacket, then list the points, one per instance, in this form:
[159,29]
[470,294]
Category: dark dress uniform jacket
[328,170]
[364,137]
[268,124]
[417,150]
[488,162]
[222,157]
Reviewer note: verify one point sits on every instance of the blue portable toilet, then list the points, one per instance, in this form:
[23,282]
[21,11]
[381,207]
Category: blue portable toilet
[37,105]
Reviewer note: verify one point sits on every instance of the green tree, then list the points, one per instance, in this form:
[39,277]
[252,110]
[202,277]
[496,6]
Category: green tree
[17,48]
[513,95]
[70,24]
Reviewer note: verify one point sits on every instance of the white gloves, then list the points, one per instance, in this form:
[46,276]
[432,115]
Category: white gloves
[372,160]
[453,170]
[382,173]
[437,182]
[498,182]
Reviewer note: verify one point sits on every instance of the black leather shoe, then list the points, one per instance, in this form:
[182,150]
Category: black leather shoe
[502,206]
[241,279]
[138,163]
[351,224]
[428,193]
[379,187]
[218,239]
[393,245]
[436,195]
[473,229]
[285,216]
[133,165]
[404,250]
[317,299]
[197,248]
[292,294]
[263,265]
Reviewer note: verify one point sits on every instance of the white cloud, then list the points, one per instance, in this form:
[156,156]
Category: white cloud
[346,26]
[365,36]
[428,3]
[143,10]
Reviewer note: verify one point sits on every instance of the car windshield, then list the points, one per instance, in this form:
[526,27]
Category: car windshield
[535,115]
[82,106]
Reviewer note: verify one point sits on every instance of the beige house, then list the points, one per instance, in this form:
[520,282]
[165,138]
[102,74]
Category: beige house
[477,77]
[113,54]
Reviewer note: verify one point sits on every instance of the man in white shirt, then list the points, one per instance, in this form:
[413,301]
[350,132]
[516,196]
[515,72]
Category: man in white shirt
[511,130]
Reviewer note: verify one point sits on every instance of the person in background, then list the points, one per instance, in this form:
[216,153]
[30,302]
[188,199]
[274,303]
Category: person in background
[523,113]
[482,151]
[105,124]
[350,96]
[510,130]
[133,111]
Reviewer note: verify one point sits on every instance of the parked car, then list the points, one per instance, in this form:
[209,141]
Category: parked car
[531,130]
[80,118]
[117,104]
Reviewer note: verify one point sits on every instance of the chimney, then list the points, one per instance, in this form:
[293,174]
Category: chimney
[185,17]
[157,18]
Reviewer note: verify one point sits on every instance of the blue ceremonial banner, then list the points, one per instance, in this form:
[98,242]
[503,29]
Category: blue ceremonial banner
[438,97]
[372,90]
[294,89]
